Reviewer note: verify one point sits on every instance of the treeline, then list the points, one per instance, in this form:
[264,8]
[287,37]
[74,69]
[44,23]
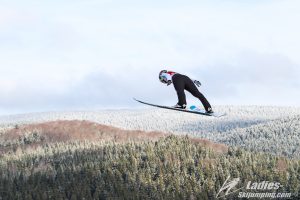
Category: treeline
[280,137]
[170,168]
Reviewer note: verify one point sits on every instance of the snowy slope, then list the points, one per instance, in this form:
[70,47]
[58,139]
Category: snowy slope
[253,127]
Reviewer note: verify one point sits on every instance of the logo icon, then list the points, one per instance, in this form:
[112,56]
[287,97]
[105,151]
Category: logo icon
[228,186]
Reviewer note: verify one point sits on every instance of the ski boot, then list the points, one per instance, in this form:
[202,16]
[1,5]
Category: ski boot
[180,106]
[209,111]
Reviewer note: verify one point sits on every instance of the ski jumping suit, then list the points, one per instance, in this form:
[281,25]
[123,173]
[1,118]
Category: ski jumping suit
[181,83]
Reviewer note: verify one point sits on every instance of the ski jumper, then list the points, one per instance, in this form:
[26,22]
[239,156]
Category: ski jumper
[183,82]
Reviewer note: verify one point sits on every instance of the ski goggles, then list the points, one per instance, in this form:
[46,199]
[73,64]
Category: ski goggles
[163,79]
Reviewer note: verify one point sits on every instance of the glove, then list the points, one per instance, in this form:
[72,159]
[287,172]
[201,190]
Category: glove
[197,83]
[169,82]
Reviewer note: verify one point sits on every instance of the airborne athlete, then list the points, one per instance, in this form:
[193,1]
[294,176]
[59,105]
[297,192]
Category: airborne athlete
[182,82]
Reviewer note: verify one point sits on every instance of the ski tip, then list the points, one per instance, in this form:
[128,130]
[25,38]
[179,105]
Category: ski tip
[136,99]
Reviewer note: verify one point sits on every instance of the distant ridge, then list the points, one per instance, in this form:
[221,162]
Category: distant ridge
[33,135]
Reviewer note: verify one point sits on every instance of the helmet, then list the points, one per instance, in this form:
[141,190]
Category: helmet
[162,77]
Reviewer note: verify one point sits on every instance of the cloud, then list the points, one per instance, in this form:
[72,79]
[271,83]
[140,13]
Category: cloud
[100,89]
[253,78]
[102,53]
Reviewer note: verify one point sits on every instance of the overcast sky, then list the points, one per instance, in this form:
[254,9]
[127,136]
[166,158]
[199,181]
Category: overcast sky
[94,54]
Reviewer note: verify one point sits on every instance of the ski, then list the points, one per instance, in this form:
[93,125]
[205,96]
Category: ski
[194,109]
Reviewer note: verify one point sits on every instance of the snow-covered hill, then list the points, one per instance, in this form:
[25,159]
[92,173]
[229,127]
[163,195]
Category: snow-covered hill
[271,129]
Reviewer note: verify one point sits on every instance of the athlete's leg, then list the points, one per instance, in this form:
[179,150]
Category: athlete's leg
[190,86]
[178,82]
